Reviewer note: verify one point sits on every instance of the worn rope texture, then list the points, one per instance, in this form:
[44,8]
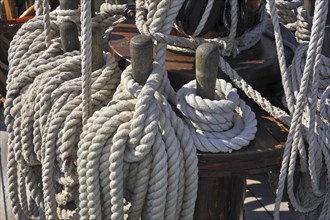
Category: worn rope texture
[46,11]
[38,7]
[136,149]
[43,117]
[161,17]
[221,125]
[86,58]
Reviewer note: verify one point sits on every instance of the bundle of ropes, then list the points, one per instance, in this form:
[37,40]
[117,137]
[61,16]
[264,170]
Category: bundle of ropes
[128,152]
[293,16]
[94,145]
[44,116]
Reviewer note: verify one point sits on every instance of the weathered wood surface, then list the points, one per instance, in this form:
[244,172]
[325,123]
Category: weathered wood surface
[68,29]
[141,55]
[259,200]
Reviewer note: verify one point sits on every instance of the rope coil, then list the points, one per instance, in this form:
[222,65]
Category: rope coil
[222,125]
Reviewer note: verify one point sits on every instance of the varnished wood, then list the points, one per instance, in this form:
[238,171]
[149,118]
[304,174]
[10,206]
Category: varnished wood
[258,65]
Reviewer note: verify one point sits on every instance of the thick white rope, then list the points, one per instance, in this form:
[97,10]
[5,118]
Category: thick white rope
[287,12]
[222,125]
[138,126]
[304,23]
[204,18]
[86,58]
[158,25]
[38,114]
[46,11]
[295,141]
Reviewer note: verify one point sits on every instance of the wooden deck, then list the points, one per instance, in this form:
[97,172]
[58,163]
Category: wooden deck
[259,200]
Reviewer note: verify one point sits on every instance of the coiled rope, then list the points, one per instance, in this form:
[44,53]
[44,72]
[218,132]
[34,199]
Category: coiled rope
[134,128]
[304,23]
[221,125]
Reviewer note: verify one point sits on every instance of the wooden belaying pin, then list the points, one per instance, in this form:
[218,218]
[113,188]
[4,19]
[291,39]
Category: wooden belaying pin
[68,29]
[207,58]
[141,48]
[97,47]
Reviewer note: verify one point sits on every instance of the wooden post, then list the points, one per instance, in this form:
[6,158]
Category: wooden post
[207,58]
[97,42]
[141,57]
[93,8]
[97,47]
[68,29]
[309,6]
[217,197]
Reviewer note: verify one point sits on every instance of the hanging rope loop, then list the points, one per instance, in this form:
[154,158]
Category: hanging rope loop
[146,150]
[144,122]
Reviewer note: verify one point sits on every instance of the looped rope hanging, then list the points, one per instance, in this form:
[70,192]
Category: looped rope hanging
[314,135]
[145,149]
[43,117]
